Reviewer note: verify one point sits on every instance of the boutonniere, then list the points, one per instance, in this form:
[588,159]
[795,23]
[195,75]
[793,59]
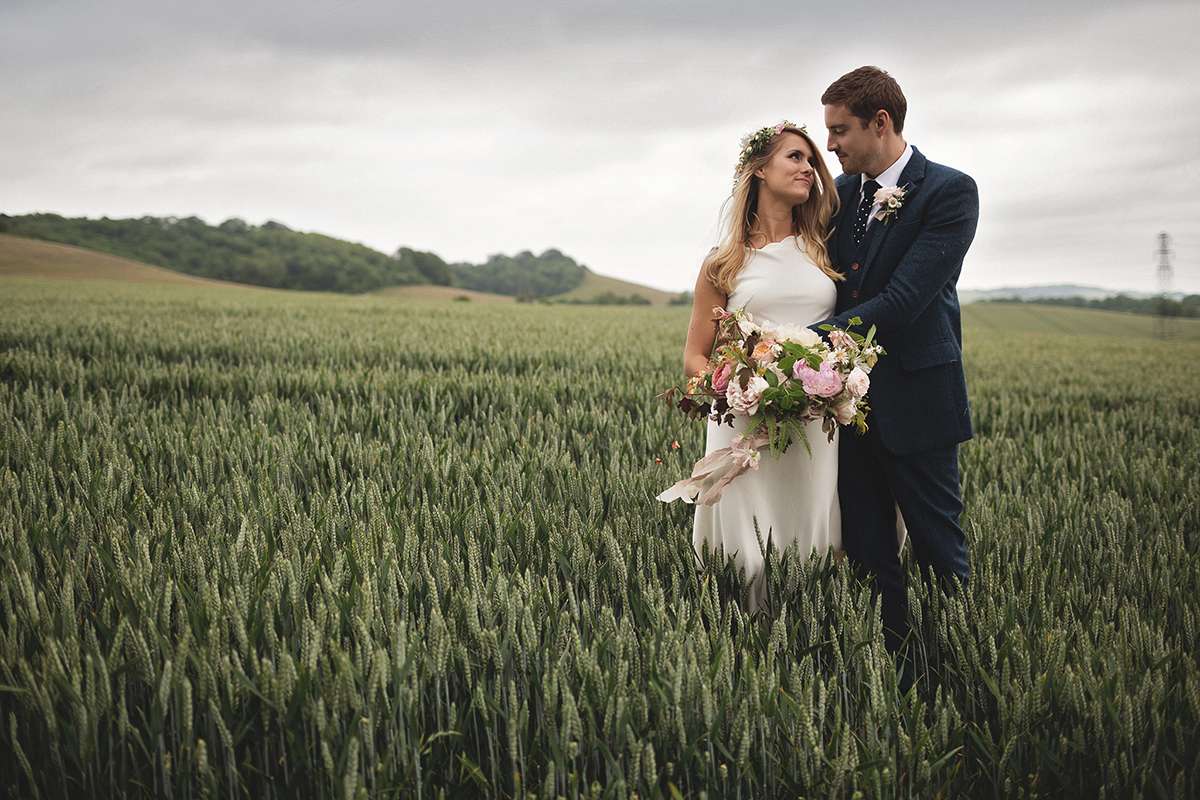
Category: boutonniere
[890,199]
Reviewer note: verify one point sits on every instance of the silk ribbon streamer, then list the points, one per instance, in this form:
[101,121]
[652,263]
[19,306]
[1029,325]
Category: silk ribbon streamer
[715,471]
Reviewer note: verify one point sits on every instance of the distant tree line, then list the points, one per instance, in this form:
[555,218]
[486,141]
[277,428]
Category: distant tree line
[266,255]
[522,275]
[274,255]
[1189,306]
[681,299]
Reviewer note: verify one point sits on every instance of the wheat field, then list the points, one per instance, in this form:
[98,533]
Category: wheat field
[287,545]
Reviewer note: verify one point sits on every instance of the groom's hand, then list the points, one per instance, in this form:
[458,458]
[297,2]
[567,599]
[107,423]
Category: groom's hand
[932,260]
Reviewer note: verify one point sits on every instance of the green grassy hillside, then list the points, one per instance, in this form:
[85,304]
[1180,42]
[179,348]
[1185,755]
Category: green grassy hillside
[998,318]
[273,255]
[270,255]
[33,258]
[594,285]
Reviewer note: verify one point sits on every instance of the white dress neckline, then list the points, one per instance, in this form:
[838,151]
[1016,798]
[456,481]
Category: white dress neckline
[772,244]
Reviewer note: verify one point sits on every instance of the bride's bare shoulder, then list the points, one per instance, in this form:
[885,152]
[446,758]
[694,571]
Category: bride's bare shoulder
[706,290]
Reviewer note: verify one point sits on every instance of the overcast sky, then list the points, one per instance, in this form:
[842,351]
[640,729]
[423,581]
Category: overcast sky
[608,130]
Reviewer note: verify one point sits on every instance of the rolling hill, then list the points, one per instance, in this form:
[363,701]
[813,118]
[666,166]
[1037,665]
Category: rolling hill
[37,257]
[594,285]
[1033,318]
[274,255]
[33,258]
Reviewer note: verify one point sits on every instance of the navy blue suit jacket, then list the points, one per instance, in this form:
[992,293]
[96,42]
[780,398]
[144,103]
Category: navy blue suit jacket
[901,279]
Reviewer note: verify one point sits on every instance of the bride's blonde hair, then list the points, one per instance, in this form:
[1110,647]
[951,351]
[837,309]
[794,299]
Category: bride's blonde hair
[810,219]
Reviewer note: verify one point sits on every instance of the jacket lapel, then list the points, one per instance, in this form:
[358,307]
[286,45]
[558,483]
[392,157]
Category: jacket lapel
[913,174]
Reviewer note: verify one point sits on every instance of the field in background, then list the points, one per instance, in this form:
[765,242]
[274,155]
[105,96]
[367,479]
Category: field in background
[996,318]
[441,293]
[32,258]
[289,545]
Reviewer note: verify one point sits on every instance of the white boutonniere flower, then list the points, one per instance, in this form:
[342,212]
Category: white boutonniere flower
[890,199]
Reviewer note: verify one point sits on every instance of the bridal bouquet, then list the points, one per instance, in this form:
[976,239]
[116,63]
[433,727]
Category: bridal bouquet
[778,377]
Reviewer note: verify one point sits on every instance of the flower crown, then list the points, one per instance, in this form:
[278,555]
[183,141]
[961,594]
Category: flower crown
[753,143]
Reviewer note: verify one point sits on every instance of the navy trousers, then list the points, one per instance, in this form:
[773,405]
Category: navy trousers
[871,481]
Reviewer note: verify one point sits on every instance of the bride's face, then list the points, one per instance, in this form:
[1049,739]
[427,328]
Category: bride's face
[790,172]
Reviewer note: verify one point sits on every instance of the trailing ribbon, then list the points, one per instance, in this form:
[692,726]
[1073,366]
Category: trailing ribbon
[717,470]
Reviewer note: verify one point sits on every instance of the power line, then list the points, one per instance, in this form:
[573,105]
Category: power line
[1165,275]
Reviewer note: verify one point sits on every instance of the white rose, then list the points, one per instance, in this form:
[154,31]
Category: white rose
[746,327]
[857,382]
[799,334]
[745,401]
[844,411]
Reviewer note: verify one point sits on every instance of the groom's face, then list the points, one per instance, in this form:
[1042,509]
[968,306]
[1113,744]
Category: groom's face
[850,140]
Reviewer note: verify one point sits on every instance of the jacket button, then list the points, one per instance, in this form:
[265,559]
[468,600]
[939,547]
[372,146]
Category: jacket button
[854,293]
[855,266]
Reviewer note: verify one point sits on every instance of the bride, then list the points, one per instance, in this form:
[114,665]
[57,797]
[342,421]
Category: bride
[771,259]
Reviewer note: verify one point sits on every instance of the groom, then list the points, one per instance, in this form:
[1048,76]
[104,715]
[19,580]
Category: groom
[901,260]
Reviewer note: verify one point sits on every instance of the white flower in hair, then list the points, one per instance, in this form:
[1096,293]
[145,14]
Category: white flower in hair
[753,142]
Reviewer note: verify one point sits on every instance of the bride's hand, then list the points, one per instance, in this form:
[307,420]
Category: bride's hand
[694,365]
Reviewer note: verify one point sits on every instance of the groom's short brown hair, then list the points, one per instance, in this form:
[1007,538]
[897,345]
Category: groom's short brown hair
[865,91]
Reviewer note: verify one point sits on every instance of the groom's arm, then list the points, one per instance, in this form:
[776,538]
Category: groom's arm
[932,260]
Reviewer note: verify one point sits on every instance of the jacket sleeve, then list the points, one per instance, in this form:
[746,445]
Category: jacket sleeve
[932,260]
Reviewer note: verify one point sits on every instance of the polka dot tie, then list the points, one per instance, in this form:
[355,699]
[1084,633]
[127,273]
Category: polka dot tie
[864,210]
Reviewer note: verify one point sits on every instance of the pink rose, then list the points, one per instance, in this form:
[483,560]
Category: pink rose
[818,383]
[720,378]
[745,401]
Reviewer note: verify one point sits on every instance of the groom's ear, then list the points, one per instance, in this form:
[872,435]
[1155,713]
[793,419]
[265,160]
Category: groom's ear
[881,121]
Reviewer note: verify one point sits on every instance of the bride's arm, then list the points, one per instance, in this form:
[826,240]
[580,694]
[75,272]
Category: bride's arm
[702,330]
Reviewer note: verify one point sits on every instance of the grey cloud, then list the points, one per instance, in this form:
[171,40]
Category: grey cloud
[479,27]
[605,129]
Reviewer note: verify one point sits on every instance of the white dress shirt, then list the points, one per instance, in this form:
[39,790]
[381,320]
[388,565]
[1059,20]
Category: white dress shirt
[889,177]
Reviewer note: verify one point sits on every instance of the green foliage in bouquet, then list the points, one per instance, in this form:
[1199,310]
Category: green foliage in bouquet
[746,351]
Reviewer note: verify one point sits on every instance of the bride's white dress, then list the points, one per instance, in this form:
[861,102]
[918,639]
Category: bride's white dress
[793,497]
